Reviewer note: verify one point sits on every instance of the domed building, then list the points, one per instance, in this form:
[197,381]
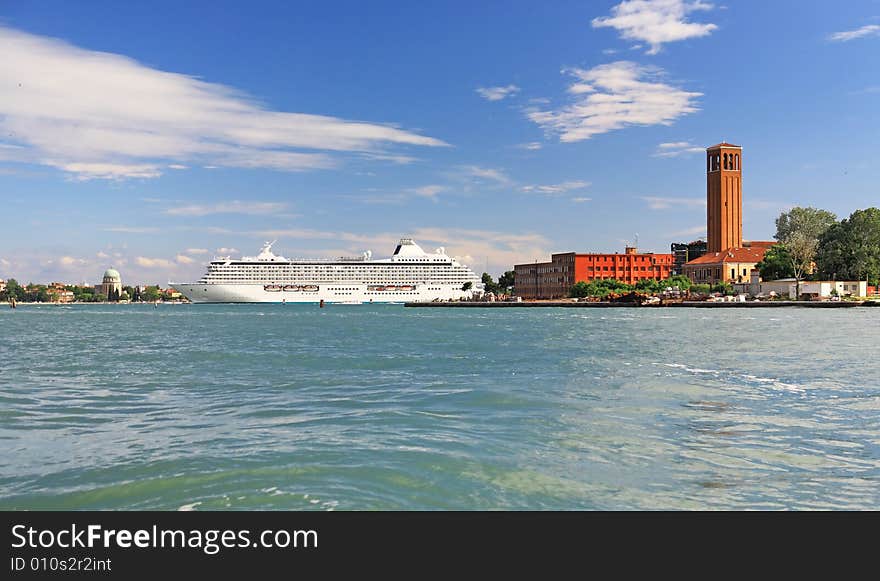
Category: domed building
[111,286]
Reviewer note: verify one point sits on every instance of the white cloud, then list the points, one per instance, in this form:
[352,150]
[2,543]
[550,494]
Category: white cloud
[497,93]
[660,203]
[677,148]
[102,255]
[552,189]
[656,21]
[183,259]
[532,146]
[473,247]
[487,174]
[847,35]
[99,115]
[153,262]
[104,171]
[196,251]
[581,200]
[614,96]
[223,251]
[692,231]
[428,191]
[70,261]
[178,166]
[233,207]
[132,229]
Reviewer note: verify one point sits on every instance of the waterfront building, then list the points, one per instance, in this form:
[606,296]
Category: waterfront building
[810,289]
[734,265]
[550,280]
[683,253]
[111,285]
[58,294]
[728,257]
[2,285]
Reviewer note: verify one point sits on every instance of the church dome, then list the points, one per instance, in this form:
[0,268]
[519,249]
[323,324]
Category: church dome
[112,274]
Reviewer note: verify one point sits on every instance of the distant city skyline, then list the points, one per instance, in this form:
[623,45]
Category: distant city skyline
[151,138]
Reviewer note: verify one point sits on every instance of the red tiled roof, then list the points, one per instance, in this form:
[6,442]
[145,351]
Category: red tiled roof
[731,255]
[724,144]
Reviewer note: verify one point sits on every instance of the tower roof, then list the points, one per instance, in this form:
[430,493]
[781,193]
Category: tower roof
[723,144]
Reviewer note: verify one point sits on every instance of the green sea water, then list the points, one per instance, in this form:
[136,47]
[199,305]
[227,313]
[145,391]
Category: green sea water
[351,407]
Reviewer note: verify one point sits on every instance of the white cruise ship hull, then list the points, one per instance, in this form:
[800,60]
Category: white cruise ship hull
[329,293]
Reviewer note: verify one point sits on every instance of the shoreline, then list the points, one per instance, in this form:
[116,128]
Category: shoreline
[683,304]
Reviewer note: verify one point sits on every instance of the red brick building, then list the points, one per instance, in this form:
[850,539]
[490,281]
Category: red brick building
[550,280]
[728,258]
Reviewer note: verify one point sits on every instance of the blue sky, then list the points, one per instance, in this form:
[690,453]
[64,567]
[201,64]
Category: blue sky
[152,137]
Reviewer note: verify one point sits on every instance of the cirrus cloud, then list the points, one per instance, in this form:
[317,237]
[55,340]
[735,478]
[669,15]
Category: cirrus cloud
[233,207]
[497,93]
[847,35]
[677,148]
[556,189]
[98,115]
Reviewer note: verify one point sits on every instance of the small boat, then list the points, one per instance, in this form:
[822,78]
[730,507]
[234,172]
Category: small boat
[391,287]
[272,288]
[291,288]
[406,287]
[309,288]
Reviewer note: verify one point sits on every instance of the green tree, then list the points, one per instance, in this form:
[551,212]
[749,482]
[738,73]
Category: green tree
[679,280]
[14,290]
[599,288]
[506,281]
[724,288]
[851,248]
[777,263]
[579,290]
[151,294]
[700,289]
[649,285]
[799,230]
[467,286]
[489,284]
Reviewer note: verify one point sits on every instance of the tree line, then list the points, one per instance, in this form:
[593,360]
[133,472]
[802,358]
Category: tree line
[603,288]
[39,293]
[813,244]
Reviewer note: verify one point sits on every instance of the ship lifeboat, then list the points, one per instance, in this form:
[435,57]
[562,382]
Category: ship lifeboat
[272,288]
[291,288]
[406,287]
[309,288]
[391,287]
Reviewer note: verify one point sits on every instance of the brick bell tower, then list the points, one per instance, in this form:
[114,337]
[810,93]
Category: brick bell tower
[724,197]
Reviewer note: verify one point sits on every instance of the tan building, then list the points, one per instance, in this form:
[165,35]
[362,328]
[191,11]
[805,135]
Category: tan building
[734,265]
[59,294]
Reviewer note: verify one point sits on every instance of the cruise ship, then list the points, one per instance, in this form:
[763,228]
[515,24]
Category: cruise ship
[409,275]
